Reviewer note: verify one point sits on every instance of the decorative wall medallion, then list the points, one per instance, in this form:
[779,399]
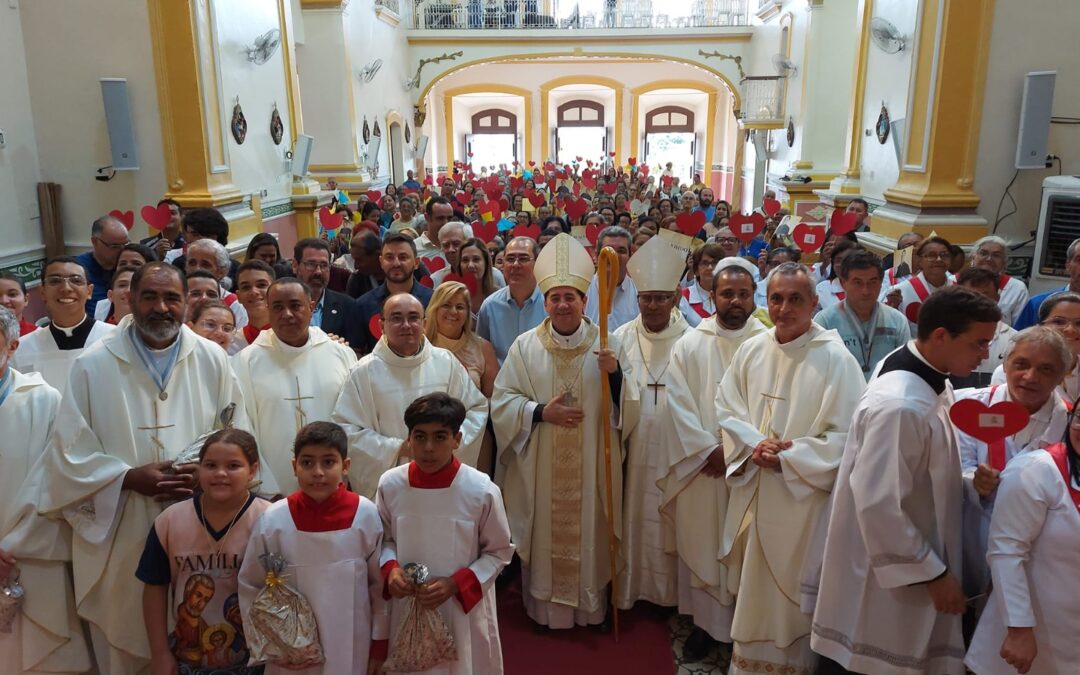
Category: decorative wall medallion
[377,131]
[882,126]
[277,129]
[239,123]
[790,132]
[366,133]
[408,133]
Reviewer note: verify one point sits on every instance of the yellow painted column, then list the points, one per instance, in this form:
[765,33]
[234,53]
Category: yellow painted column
[306,184]
[935,187]
[193,115]
[307,213]
[848,181]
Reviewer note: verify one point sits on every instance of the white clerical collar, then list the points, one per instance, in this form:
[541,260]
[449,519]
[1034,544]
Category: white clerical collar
[915,350]
[70,331]
[802,340]
[286,347]
[572,340]
[384,352]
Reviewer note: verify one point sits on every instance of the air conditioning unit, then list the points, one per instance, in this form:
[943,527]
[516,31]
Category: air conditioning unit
[1059,226]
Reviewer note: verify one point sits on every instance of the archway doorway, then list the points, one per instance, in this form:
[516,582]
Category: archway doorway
[397,154]
[580,131]
[670,139]
[493,141]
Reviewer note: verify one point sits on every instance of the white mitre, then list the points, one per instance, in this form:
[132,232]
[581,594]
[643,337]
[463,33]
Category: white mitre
[564,262]
[656,266]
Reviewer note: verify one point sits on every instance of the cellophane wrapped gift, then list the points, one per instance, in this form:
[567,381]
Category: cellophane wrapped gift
[281,626]
[423,639]
[11,601]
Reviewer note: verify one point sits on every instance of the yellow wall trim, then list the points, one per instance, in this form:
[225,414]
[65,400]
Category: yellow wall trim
[330,168]
[323,4]
[448,112]
[545,92]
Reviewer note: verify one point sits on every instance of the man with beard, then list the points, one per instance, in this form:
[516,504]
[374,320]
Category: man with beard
[398,260]
[109,468]
[335,313]
[402,367]
[437,213]
[290,375]
[50,350]
[651,572]
[367,272]
[695,493]
[705,204]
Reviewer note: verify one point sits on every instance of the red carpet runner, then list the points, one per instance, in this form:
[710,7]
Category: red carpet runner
[644,646]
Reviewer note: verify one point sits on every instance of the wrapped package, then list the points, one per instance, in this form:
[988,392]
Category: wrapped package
[281,626]
[11,601]
[190,454]
[423,639]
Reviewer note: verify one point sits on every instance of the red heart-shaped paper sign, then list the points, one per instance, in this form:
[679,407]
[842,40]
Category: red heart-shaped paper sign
[690,223]
[746,227]
[588,179]
[912,312]
[485,232]
[771,206]
[157,217]
[576,208]
[330,221]
[493,193]
[578,159]
[549,166]
[592,231]
[577,189]
[532,163]
[531,231]
[504,203]
[469,154]
[988,423]
[808,238]
[468,280]
[632,161]
[128,217]
[428,180]
[842,222]
[610,188]
[665,181]
[552,184]
[433,263]
[375,327]
[516,183]
[537,199]
[426,281]
[514,163]
[374,196]
[612,154]
[493,208]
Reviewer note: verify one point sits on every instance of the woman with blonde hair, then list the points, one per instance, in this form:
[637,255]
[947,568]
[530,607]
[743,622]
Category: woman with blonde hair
[449,324]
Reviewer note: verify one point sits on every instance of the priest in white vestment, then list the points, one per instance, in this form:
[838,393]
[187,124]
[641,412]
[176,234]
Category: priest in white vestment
[548,426]
[1036,361]
[46,637]
[290,375]
[695,492]
[651,571]
[890,599]
[50,350]
[403,367]
[784,406]
[135,401]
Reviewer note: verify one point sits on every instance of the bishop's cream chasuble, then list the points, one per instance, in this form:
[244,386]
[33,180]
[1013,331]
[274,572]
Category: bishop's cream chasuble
[373,402]
[552,477]
[803,391]
[696,504]
[288,387]
[651,571]
[47,637]
[114,417]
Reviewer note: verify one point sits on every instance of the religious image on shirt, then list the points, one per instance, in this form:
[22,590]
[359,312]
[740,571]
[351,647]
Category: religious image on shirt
[202,644]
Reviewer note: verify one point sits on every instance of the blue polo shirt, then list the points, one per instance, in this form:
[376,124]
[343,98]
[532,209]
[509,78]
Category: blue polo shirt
[1030,315]
[97,275]
[501,321]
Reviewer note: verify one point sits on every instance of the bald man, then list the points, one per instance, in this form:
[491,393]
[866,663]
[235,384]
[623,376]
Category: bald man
[108,236]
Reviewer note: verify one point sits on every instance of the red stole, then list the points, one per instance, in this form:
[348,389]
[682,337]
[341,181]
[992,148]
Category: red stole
[439,480]
[920,288]
[336,513]
[996,450]
[696,306]
[1060,454]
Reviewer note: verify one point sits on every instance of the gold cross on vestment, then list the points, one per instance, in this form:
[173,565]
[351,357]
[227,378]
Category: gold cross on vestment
[766,423]
[159,447]
[301,416]
[656,387]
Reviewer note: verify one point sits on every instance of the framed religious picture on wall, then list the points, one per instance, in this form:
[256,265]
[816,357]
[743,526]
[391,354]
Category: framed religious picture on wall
[277,128]
[366,132]
[790,132]
[238,125]
[882,126]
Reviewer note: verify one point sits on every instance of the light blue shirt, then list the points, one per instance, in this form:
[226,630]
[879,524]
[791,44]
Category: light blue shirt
[624,307]
[501,321]
[868,344]
[316,314]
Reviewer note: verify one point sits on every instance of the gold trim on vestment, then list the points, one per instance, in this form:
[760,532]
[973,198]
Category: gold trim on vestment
[566,460]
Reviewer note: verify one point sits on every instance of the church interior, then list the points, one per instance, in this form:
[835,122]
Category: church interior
[955,118]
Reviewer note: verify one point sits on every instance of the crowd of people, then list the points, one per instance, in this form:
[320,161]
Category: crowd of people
[829,461]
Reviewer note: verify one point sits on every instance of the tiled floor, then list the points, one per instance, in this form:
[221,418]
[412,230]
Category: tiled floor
[716,663]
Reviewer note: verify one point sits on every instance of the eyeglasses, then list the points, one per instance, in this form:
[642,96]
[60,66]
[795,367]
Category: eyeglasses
[113,246]
[1062,323]
[313,266]
[934,257]
[397,320]
[986,255]
[727,240]
[517,260]
[56,280]
[214,326]
[654,298]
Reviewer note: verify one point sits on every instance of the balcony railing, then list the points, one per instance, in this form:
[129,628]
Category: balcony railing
[391,5]
[763,100]
[552,14]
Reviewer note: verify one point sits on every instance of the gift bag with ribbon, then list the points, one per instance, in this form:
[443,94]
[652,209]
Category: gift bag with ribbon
[423,639]
[281,625]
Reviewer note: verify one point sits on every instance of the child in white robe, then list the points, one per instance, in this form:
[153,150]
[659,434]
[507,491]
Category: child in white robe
[331,539]
[191,561]
[450,517]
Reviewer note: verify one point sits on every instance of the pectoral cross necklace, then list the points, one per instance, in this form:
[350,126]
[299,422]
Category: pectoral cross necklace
[155,439]
[301,416]
[655,385]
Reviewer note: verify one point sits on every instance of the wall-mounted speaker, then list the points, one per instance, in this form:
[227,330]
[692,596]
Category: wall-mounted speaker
[1035,111]
[373,152]
[421,146]
[114,93]
[302,155]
